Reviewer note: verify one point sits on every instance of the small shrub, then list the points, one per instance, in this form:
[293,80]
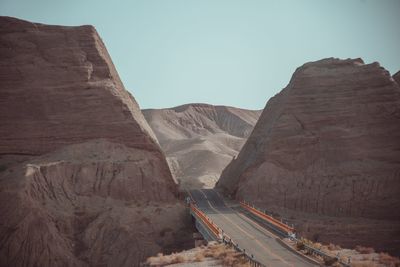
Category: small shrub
[333,247]
[388,260]
[364,250]
[330,261]
[300,245]
[178,259]
[208,254]
[198,257]
[308,252]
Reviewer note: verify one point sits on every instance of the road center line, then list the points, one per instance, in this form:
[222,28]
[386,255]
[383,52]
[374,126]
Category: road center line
[245,232]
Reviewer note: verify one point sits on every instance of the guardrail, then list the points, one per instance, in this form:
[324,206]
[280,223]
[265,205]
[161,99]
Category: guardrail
[279,225]
[207,221]
[253,262]
[290,231]
[326,256]
[220,236]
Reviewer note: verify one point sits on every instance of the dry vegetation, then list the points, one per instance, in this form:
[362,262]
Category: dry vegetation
[360,256]
[364,250]
[388,260]
[226,256]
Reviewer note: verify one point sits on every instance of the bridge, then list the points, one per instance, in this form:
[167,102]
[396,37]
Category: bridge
[216,221]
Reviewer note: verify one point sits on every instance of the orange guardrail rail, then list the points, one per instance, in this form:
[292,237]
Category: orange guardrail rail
[214,229]
[280,225]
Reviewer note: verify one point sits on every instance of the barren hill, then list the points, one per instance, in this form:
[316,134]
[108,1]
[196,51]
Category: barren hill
[200,140]
[325,152]
[83,181]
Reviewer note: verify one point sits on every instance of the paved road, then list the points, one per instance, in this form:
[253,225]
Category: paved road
[245,232]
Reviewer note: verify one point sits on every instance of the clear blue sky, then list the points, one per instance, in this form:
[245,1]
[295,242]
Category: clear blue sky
[238,53]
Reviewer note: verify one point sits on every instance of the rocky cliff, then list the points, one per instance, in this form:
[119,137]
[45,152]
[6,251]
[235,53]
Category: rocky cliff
[83,181]
[59,86]
[328,144]
[199,140]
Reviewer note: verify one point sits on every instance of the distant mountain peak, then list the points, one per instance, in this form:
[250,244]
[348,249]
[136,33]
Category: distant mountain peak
[200,139]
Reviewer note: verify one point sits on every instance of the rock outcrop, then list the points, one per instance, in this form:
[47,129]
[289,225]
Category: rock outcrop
[59,87]
[199,140]
[83,181]
[329,145]
[396,77]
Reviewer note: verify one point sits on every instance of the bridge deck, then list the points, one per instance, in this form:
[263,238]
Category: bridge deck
[245,232]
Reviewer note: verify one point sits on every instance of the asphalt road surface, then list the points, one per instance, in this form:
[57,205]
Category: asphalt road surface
[246,233]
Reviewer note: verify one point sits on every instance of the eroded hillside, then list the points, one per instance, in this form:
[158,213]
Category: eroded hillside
[199,140]
[325,153]
[83,181]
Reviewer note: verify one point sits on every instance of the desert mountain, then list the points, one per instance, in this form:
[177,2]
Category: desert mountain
[396,77]
[326,154]
[199,140]
[83,181]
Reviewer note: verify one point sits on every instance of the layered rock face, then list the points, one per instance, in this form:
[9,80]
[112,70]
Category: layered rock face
[328,144]
[200,139]
[83,181]
[91,204]
[59,87]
